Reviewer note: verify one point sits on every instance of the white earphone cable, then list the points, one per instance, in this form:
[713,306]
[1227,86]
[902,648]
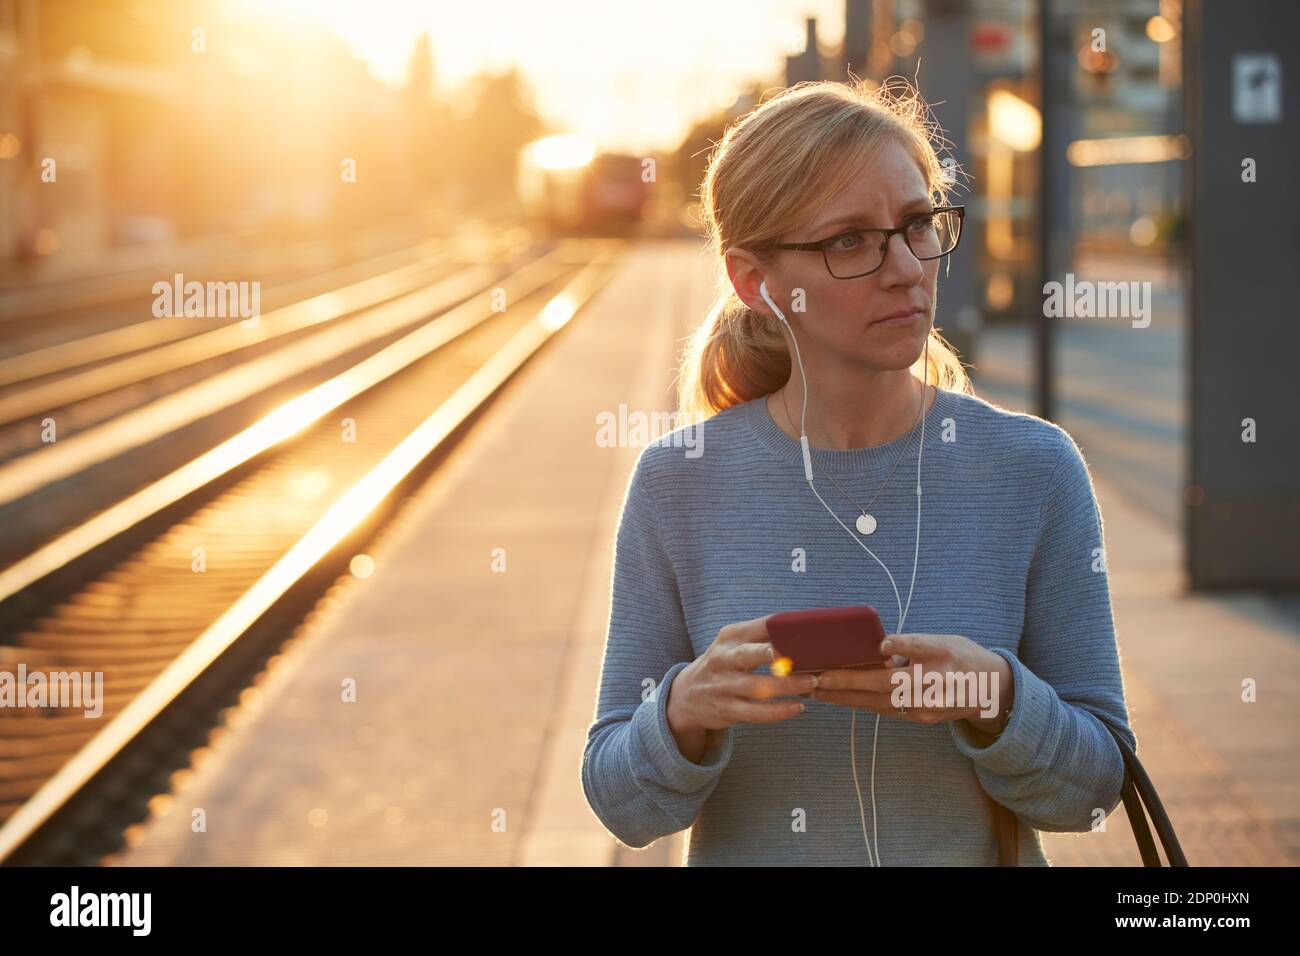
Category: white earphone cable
[902,610]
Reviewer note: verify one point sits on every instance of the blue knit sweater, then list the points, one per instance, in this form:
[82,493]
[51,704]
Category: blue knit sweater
[719,525]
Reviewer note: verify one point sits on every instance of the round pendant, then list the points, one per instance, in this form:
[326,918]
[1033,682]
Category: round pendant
[866,524]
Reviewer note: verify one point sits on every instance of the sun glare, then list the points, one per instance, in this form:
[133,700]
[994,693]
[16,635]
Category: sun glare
[562,152]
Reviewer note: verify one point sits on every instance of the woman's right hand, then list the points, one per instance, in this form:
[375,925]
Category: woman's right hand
[717,689]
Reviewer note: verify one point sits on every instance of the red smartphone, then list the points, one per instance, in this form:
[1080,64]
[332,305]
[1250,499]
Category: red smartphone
[829,638]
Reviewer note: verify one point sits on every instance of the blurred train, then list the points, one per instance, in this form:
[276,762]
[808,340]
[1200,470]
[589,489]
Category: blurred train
[570,189]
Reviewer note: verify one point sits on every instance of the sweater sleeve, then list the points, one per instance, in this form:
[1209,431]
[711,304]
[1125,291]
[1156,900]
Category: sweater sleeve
[1055,763]
[636,780]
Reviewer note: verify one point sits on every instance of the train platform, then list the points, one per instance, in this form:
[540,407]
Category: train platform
[435,711]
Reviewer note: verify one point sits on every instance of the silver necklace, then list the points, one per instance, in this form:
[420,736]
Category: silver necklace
[866,523]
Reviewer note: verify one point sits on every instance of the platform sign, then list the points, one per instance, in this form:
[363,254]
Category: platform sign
[1256,88]
[1241,500]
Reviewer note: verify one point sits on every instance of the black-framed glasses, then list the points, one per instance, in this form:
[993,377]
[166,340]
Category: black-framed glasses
[853,253]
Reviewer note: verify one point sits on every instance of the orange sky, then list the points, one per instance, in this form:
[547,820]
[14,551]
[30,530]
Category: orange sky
[631,75]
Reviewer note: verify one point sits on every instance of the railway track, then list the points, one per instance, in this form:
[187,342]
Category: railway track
[117,422]
[181,592]
[60,380]
[75,306]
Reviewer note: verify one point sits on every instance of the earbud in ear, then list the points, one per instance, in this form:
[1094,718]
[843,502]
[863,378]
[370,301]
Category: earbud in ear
[762,290]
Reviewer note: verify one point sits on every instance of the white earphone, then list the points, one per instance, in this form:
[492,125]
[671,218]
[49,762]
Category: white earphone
[902,611]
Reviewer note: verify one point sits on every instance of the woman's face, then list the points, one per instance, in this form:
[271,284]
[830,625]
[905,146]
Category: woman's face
[843,316]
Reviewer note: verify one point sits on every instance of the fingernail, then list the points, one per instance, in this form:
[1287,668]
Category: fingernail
[801,708]
[886,647]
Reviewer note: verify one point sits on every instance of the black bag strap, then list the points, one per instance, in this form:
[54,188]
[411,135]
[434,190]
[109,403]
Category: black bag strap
[1139,796]
[1137,821]
[1138,792]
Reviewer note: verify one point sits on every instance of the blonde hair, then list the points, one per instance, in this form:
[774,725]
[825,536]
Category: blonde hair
[766,175]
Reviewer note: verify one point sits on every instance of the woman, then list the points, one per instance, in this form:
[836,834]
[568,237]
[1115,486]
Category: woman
[828,325]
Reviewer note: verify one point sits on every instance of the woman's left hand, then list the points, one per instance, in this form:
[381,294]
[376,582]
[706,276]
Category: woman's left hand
[941,653]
